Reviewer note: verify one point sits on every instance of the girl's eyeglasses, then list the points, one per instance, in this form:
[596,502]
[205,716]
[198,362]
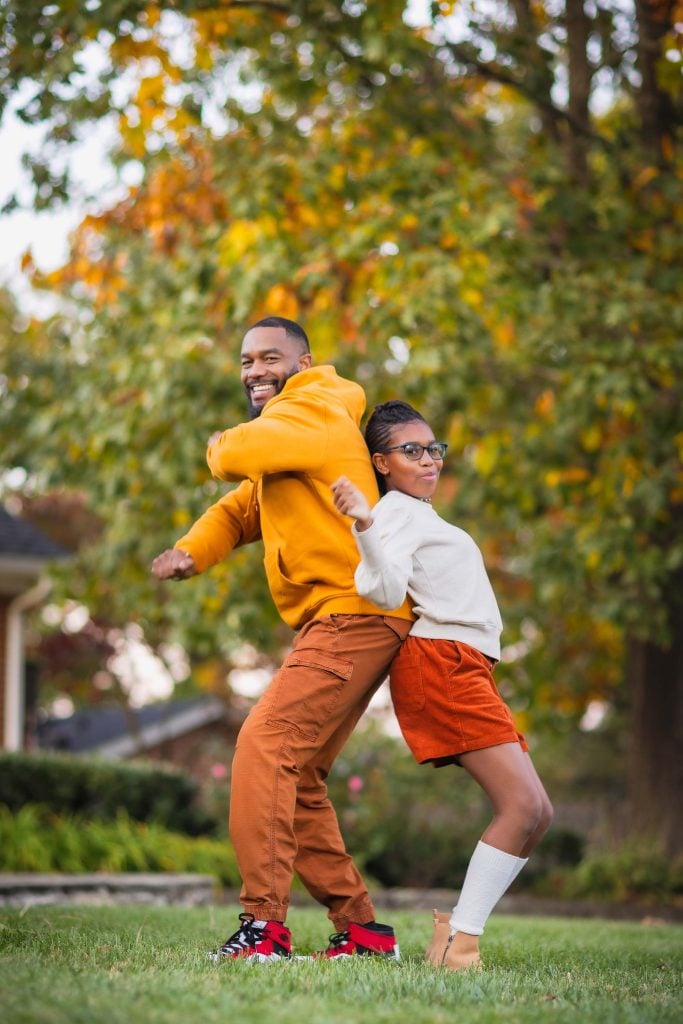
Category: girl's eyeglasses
[414,451]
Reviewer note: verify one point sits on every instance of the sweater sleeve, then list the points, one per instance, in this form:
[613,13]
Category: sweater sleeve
[292,437]
[231,522]
[386,550]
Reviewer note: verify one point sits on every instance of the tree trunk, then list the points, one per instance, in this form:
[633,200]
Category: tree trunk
[654,106]
[580,76]
[655,677]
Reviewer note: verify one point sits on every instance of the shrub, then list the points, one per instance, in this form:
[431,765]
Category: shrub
[36,839]
[406,825]
[636,872]
[100,789]
[412,825]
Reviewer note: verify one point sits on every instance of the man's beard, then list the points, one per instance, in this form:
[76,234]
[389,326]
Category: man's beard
[254,411]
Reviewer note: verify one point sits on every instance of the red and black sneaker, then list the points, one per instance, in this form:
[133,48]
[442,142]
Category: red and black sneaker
[259,941]
[362,940]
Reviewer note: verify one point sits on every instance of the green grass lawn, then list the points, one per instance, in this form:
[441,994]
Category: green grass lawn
[123,964]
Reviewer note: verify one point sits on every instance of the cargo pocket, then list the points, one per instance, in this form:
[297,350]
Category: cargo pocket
[307,690]
[407,691]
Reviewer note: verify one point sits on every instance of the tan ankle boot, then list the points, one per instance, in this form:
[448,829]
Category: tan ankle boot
[435,949]
[461,952]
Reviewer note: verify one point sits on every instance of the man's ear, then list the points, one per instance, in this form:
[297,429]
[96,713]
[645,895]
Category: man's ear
[380,463]
[305,360]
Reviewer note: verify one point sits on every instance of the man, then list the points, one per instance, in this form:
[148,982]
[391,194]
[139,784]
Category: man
[303,434]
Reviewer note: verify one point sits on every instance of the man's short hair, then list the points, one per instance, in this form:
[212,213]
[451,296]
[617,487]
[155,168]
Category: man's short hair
[291,328]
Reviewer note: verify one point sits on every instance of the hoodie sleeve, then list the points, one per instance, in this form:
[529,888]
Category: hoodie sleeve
[230,523]
[386,550]
[292,437]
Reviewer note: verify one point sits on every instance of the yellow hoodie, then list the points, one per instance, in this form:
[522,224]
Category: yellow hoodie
[305,438]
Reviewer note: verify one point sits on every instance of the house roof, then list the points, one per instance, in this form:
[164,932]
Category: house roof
[106,730]
[19,539]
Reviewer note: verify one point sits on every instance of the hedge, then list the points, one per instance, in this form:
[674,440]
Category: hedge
[36,839]
[633,873]
[101,789]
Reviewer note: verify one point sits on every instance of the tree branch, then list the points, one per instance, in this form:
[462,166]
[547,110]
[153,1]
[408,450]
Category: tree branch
[494,72]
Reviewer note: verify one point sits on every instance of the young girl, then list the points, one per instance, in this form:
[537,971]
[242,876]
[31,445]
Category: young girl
[446,702]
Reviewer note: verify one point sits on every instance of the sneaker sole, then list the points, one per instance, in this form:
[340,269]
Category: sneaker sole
[395,956]
[258,958]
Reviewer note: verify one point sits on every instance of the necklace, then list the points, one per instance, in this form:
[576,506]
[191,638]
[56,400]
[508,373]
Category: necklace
[428,500]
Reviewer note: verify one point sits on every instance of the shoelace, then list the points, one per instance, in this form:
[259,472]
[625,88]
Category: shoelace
[339,938]
[245,937]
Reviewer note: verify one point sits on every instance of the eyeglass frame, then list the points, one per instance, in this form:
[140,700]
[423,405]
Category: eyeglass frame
[440,445]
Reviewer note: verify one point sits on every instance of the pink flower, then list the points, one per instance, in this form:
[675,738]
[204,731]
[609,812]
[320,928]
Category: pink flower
[218,771]
[355,783]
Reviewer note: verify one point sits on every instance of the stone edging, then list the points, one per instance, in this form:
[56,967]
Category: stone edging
[189,890]
[157,889]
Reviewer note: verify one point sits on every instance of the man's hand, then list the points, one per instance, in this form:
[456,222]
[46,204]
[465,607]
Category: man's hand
[351,502]
[174,564]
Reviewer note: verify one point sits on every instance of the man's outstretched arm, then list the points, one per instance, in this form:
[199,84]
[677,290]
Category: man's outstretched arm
[227,524]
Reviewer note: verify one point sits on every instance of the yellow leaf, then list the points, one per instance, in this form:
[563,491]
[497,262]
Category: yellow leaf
[522,720]
[181,516]
[151,88]
[504,333]
[574,475]
[457,432]
[644,177]
[282,301]
[545,404]
[484,457]
[238,239]
[322,301]
[472,297]
[337,177]
[591,438]
[409,222]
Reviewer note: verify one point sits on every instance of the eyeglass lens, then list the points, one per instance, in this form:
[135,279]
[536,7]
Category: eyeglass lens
[414,450]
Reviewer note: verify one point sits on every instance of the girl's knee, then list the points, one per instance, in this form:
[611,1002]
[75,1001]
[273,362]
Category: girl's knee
[546,817]
[533,812]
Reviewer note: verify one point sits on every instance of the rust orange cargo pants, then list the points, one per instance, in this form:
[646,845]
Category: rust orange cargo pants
[281,819]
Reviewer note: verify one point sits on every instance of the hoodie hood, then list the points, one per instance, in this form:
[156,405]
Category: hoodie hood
[323,383]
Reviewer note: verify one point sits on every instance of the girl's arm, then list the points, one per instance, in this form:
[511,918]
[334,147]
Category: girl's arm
[386,546]
[351,502]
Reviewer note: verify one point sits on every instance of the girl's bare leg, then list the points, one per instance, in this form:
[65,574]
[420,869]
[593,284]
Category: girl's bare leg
[522,813]
[522,810]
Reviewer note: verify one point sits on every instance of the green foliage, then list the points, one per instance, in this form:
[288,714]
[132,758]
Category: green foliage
[35,839]
[446,229]
[633,872]
[415,826]
[538,313]
[408,825]
[103,789]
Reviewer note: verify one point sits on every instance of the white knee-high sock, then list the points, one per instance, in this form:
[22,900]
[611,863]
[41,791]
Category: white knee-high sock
[489,873]
[521,863]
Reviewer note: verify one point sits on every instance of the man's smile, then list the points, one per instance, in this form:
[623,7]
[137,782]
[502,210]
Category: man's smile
[262,387]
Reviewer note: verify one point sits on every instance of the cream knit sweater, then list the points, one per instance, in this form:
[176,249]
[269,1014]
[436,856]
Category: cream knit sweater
[410,549]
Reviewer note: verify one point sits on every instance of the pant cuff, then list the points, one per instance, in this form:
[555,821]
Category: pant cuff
[266,911]
[360,911]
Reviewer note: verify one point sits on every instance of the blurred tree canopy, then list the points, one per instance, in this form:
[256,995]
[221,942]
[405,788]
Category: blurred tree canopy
[480,212]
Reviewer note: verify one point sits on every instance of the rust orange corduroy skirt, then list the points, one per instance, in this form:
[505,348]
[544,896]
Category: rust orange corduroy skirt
[447,702]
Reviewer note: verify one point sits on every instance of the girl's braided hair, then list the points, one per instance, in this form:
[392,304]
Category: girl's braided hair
[380,425]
